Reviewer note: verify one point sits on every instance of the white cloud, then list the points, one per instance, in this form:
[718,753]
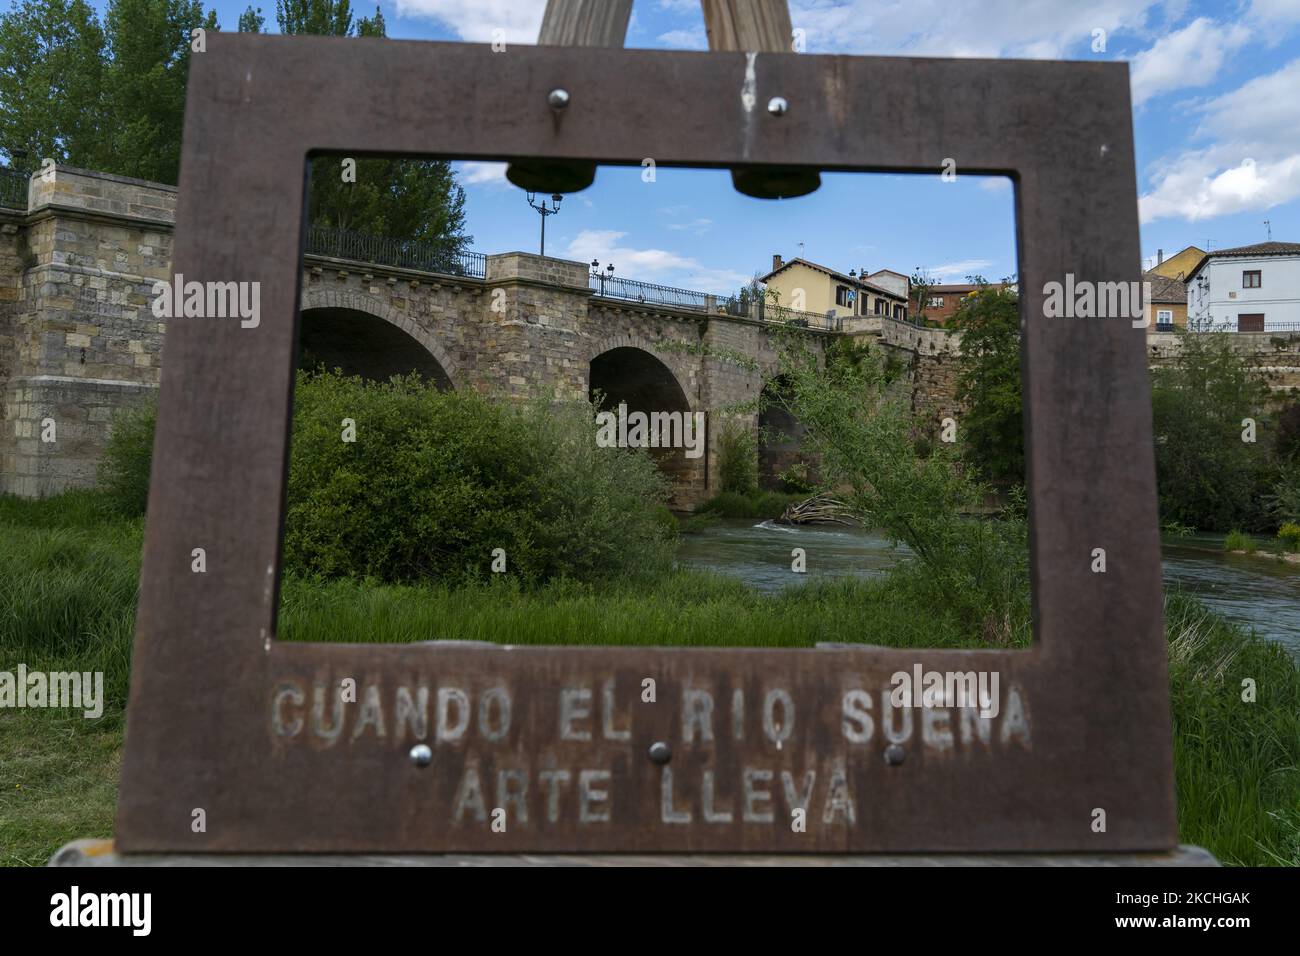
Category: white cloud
[995,184]
[474,20]
[694,39]
[697,226]
[1275,11]
[650,265]
[603,244]
[958,271]
[1196,188]
[1252,161]
[1022,28]
[1188,57]
[480,174]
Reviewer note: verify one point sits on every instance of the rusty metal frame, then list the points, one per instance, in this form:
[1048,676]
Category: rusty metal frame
[202,730]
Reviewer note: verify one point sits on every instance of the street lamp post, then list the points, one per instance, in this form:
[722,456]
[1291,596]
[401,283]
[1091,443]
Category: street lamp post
[596,273]
[543,210]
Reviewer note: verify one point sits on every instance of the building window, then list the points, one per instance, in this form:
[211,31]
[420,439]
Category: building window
[842,295]
[1164,318]
[1253,322]
[936,302]
[1251,279]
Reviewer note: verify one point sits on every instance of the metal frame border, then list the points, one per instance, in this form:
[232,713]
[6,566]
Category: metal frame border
[206,664]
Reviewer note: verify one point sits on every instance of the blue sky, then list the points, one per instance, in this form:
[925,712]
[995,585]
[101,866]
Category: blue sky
[1216,89]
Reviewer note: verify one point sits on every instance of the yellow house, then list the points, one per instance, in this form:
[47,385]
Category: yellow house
[1168,302]
[1178,266]
[809,287]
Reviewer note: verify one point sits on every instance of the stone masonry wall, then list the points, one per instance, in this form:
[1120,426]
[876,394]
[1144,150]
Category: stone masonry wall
[78,339]
[85,341]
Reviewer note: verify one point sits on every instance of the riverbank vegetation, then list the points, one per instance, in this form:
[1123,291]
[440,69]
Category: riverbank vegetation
[68,580]
[69,576]
[1227,452]
[1223,459]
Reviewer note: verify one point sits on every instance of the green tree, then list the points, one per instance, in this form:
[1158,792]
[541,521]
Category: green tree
[1207,475]
[921,282]
[150,46]
[988,384]
[860,426]
[320,17]
[52,92]
[408,199]
[251,21]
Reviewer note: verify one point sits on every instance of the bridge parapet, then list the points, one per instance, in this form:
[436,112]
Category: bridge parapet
[541,269]
[915,338]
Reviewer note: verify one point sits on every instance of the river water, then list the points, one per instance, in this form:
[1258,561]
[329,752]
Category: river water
[1260,593]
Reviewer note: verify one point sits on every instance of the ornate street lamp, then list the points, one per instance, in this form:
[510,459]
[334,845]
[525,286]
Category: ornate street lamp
[597,274]
[543,210]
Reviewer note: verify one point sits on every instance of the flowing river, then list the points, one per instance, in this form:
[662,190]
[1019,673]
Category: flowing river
[1258,592]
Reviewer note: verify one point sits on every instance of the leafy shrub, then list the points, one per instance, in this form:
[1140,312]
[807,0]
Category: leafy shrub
[1289,535]
[737,459]
[756,504]
[1288,432]
[797,479]
[437,481]
[128,455]
[863,429]
[1205,474]
[1238,540]
[1283,498]
[988,384]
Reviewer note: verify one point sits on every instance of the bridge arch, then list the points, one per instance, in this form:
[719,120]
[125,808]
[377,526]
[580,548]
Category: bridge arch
[338,328]
[780,439]
[629,374]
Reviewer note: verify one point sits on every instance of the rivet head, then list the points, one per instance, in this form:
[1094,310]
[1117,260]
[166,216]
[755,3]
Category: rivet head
[421,755]
[660,752]
[894,755]
[558,99]
[777,106]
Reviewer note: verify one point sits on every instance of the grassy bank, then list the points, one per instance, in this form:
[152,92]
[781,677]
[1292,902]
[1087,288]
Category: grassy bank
[67,601]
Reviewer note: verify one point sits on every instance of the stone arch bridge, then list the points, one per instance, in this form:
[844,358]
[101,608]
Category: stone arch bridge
[78,337]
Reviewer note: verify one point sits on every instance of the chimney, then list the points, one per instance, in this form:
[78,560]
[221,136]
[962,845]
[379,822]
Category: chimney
[1160,256]
[776,261]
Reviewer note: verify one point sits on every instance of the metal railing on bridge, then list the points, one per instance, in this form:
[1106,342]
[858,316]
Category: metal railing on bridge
[633,290]
[13,187]
[401,253]
[1230,327]
[760,309]
[650,293]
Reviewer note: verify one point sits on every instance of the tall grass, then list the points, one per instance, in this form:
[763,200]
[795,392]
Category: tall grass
[681,609]
[68,590]
[1236,761]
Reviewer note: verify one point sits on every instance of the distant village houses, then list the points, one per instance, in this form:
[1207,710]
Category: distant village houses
[1252,288]
[853,299]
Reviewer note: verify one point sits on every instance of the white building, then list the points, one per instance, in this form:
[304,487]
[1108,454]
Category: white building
[1247,289]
